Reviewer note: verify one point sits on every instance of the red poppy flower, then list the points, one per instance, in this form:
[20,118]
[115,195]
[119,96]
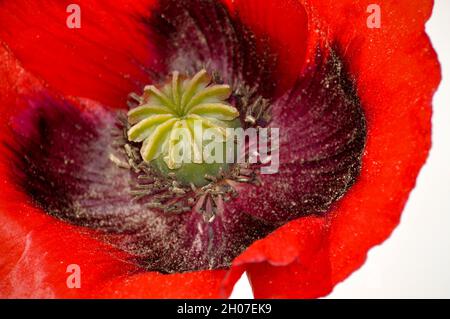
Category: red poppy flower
[353,105]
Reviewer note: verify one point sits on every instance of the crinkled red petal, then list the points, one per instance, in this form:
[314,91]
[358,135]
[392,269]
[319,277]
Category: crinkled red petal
[105,59]
[286,25]
[396,73]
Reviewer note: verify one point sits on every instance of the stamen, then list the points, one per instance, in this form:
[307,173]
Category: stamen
[118,162]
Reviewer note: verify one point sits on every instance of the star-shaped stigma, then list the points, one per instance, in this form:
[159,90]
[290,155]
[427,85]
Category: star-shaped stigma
[181,105]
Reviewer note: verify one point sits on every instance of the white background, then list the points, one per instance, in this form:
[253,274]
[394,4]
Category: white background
[415,261]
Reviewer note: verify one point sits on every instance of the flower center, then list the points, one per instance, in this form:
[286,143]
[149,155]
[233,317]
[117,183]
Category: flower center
[182,126]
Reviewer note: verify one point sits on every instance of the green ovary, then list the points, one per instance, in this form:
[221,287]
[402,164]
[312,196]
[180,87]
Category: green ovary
[183,127]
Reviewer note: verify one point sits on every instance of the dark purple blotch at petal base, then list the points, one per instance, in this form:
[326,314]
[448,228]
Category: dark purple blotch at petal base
[322,138]
[63,150]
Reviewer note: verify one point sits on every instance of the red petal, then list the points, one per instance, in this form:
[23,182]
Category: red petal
[36,249]
[202,285]
[285,23]
[104,60]
[396,74]
[297,268]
